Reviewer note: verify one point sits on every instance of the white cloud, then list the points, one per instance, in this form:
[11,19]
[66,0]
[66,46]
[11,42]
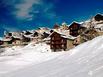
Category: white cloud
[24,8]
[28,9]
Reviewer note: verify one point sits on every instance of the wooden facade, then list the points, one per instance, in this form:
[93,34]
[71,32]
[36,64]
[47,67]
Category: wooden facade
[45,35]
[16,41]
[7,42]
[25,39]
[57,42]
[1,42]
[75,29]
[98,17]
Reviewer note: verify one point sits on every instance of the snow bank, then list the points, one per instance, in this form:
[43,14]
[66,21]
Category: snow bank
[16,58]
[85,60]
[16,50]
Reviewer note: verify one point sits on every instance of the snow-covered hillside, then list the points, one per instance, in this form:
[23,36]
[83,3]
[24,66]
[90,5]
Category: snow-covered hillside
[98,25]
[86,60]
[16,58]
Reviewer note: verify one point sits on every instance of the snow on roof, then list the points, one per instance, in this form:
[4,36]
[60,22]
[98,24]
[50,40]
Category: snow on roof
[29,36]
[46,39]
[20,37]
[17,35]
[64,23]
[74,22]
[48,32]
[98,26]
[31,31]
[42,31]
[7,39]
[64,34]
[68,37]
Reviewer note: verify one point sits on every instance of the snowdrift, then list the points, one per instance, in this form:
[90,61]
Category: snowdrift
[86,60]
[16,58]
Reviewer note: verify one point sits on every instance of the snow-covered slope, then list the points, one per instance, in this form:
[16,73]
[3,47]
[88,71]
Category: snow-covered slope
[86,60]
[98,25]
[16,58]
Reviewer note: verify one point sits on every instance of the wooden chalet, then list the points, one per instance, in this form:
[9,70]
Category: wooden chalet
[98,17]
[76,29]
[7,41]
[7,38]
[88,34]
[25,38]
[35,34]
[1,42]
[16,41]
[45,34]
[80,39]
[59,41]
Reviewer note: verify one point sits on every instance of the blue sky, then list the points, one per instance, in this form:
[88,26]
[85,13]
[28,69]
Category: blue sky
[29,14]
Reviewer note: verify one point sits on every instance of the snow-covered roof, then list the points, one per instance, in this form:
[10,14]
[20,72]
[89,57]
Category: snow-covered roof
[64,34]
[7,39]
[46,39]
[74,22]
[16,34]
[48,32]
[42,31]
[20,37]
[29,36]
[64,23]
[98,26]
[68,37]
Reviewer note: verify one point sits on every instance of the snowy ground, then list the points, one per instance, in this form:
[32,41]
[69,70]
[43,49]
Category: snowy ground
[16,58]
[86,60]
